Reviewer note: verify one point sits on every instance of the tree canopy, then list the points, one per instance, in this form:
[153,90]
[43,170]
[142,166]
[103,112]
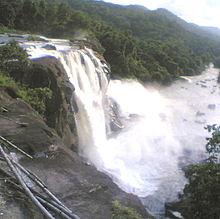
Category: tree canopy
[137,42]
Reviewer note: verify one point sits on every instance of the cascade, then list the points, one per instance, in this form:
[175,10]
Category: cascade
[162,130]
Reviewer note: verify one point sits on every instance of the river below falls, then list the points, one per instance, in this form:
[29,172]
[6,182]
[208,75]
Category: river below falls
[164,131]
[163,126]
[193,103]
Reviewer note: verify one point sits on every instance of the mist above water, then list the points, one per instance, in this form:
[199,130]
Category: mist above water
[163,126]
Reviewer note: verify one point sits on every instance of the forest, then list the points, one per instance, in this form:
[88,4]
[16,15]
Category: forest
[137,43]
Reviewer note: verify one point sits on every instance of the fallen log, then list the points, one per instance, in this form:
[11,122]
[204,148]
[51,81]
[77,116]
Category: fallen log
[25,187]
[38,182]
[53,203]
[15,147]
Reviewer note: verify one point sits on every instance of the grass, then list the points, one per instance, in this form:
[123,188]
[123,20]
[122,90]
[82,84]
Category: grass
[36,97]
[4,29]
[122,212]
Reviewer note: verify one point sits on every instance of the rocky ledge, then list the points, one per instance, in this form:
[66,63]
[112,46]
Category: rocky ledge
[85,190]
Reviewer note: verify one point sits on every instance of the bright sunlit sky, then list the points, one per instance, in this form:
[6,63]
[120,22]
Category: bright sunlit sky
[201,12]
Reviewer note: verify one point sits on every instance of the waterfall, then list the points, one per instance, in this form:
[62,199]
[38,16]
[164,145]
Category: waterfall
[132,157]
[162,128]
[89,77]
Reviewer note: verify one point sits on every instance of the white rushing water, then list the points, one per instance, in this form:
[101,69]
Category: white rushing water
[164,126]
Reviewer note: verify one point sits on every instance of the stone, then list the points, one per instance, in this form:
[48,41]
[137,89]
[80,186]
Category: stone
[49,47]
[200,113]
[88,192]
[218,80]
[211,106]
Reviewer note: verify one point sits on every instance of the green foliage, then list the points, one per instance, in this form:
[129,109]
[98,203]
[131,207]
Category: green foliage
[8,11]
[122,212]
[213,143]
[34,38]
[138,43]
[4,29]
[6,81]
[14,59]
[202,195]
[217,62]
[36,97]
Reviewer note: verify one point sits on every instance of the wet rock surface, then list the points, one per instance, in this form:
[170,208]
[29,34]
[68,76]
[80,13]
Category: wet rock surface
[48,72]
[88,192]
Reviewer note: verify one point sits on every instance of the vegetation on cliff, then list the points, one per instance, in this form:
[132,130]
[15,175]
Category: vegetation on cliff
[201,196]
[121,212]
[148,45]
[13,61]
[217,62]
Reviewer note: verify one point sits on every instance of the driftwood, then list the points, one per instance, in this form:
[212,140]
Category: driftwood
[44,201]
[15,147]
[71,215]
[38,182]
[26,189]
[39,200]
[4,109]
[54,208]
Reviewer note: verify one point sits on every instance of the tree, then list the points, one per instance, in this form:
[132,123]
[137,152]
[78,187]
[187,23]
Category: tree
[13,60]
[8,11]
[213,144]
[201,195]
[217,62]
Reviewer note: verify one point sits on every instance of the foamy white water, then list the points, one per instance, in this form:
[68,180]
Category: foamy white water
[164,127]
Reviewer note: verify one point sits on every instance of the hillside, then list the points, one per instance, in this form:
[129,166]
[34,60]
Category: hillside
[137,42]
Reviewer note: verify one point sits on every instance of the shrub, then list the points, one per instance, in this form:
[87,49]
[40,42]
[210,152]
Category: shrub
[13,58]
[36,97]
[213,143]
[217,62]
[122,212]
[201,196]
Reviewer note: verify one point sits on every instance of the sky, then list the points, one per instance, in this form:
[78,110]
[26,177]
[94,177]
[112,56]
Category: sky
[201,12]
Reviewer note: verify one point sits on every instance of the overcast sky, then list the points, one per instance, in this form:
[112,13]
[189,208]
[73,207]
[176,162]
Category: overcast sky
[202,12]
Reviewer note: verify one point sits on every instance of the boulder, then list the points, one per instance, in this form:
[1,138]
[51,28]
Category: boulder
[85,190]
[49,47]
[211,106]
[48,72]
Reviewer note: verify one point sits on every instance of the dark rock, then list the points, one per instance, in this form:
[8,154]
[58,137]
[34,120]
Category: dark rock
[200,113]
[24,126]
[48,72]
[88,192]
[200,121]
[218,80]
[49,47]
[113,115]
[12,92]
[211,106]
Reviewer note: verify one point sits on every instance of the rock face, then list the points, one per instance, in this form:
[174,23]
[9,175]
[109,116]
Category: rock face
[35,136]
[49,139]
[88,192]
[48,72]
